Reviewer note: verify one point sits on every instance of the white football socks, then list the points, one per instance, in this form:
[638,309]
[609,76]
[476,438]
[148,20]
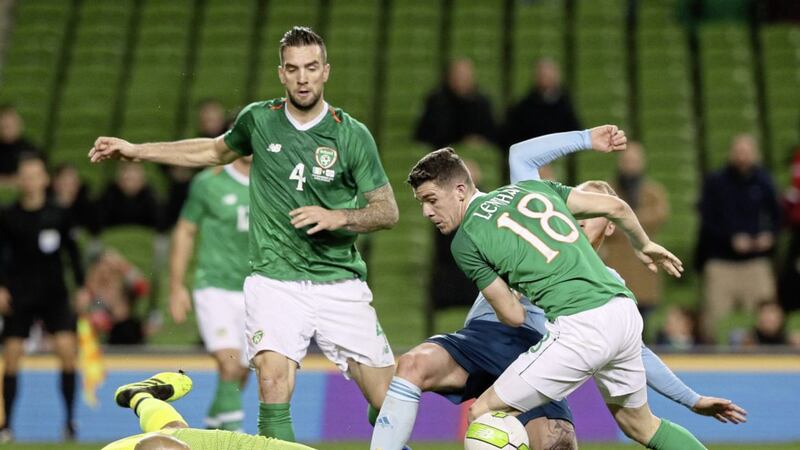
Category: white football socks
[398,414]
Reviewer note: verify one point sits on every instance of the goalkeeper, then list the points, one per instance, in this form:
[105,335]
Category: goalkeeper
[165,429]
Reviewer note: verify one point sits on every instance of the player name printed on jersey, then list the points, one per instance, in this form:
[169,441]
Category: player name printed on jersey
[504,198]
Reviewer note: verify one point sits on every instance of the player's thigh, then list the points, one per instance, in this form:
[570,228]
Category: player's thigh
[551,434]
[623,375]
[221,320]
[431,368]
[348,327]
[279,317]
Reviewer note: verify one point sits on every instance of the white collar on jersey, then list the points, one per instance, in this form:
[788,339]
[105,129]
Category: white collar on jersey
[308,125]
[236,175]
[474,196]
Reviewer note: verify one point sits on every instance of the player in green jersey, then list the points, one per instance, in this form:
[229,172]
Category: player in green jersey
[525,236]
[217,208]
[311,164]
[165,429]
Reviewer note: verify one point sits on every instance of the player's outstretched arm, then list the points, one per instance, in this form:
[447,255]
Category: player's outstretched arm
[180,302]
[585,205]
[199,152]
[380,213]
[527,157]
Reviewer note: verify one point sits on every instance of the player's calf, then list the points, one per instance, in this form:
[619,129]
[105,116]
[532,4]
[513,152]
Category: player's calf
[551,434]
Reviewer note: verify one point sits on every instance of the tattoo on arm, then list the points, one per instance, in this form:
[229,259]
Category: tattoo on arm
[380,213]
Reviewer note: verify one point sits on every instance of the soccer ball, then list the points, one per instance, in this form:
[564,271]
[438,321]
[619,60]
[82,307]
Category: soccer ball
[496,431]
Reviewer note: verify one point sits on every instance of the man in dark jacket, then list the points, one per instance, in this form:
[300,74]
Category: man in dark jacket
[739,222]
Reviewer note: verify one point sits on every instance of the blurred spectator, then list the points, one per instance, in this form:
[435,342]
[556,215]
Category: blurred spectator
[648,198]
[129,200]
[448,286]
[790,274]
[112,290]
[770,327]
[457,111]
[739,221]
[70,193]
[12,143]
[679,331]
[211,122]
[546,109]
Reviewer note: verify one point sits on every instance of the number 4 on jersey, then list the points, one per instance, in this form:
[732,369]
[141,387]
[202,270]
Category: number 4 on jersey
[297,174]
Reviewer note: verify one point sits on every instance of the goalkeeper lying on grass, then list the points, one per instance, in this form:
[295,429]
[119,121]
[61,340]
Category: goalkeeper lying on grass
[165,429]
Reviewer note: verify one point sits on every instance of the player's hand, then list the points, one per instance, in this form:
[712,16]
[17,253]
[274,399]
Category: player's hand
[721,409]
[5,301]
[655,256]
[180,303]
[608,138]
[319,217]
[112,148]
[742,243]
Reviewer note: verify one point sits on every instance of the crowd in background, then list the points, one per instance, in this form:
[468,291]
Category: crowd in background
[742,215]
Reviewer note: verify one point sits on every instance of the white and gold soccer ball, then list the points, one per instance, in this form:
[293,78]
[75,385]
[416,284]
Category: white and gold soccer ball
[496,431]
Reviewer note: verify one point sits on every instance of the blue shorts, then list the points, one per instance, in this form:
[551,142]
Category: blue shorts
[484,350]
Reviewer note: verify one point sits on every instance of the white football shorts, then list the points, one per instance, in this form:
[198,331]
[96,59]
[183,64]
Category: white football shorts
[220,317]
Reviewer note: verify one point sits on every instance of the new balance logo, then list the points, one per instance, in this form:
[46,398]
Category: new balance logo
[274,148]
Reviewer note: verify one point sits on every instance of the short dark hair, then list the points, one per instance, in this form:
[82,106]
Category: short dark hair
[441,166]
[301,37]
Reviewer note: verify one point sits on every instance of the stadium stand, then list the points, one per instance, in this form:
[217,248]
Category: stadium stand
[413,69]
[781,58]
[31,63]
[223,54]
[728,87]
[90,93]
[538,33]
[601,81]
[665,116]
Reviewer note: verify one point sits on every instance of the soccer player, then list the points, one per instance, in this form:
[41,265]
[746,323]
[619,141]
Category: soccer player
[218,208]
[311,163]
[34,235]
[524,236]
[463,364]
[165,429]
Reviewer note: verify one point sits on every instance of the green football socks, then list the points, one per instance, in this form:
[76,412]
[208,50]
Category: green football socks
[372,415]
[671,436]
[226,409]
[275,420]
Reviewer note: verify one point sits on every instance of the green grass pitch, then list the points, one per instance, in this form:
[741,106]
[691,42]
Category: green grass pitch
[454,446]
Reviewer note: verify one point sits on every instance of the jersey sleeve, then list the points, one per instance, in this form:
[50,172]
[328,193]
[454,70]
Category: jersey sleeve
[238,137]
[367,169]
[193,207]
[469,260]
[561,189]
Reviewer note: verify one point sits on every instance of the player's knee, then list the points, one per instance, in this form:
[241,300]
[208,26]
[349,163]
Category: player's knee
[412,367]
[230,370]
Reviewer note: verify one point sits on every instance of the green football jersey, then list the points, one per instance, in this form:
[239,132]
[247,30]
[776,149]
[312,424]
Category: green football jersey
[525,234]
[326,165]
[219,204]
[230,440]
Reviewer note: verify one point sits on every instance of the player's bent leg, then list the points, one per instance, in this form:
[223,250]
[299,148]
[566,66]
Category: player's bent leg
[372,381]
[639,424]
[431,368]
[490,401]
[276,378]
[551,434]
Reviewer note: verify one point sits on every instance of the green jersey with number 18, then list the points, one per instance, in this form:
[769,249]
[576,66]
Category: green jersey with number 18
[328,165]
[525,234]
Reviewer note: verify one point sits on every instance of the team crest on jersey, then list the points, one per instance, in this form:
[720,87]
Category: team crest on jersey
[274,148]
[326,157]
[229,199]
